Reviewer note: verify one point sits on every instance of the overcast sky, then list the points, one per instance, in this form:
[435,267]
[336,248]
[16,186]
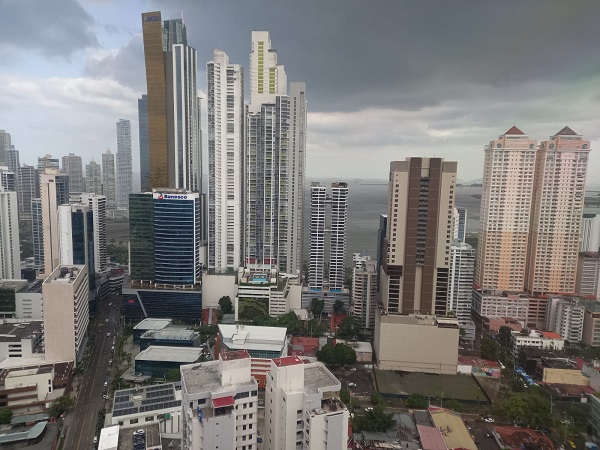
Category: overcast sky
[385,79]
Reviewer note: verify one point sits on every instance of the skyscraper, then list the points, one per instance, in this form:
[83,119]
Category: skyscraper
[337,245]
[93,178]
[416,263]
[364,292]
[225,163]
[54,191]
[72,166]
[28,189]
[460,224]
[10,253]
[460,285]
[173,107]
[8,179]
[557,208]
[4,145]
[316,256]
[97,205]
[590,233]
[48,162]
[267,78]
[143,141]
[124,186]
[11,156]
[108,179]
[505,212]
[76,236]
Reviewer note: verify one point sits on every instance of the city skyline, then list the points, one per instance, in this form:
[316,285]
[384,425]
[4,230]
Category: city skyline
[438,100]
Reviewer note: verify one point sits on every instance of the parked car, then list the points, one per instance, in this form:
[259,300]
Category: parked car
[488,420]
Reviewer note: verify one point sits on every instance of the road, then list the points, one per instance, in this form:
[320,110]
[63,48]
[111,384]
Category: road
[81,420]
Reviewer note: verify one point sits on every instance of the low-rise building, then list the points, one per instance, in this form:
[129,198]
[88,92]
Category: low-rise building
[416,343]
[170,337]
[495,323]
[517,437]
[156,361]
[8,292]
[591,324]
[149,325]
[546,340]
[500,304]
[20,339]
[302,407]
[454,431]
[29,301]
[220,404]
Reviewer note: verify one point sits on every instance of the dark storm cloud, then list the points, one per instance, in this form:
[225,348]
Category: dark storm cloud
[405,54]
[54,28]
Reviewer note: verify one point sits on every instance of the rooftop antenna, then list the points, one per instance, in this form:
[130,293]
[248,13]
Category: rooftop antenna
[182,22]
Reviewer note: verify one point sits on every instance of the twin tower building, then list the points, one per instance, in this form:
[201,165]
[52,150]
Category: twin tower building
[256,162]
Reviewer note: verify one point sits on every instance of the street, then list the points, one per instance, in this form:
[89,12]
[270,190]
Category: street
[80,423]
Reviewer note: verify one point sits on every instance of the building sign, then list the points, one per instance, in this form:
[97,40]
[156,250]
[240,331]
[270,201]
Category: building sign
[154,18]
[161,196]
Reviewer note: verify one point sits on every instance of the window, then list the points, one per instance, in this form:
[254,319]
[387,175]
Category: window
[133,421]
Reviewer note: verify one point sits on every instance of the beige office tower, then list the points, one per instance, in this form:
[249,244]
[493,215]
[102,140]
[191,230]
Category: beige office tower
[417,258]
[557,209]
[54,191]
[505,213]
[66,313]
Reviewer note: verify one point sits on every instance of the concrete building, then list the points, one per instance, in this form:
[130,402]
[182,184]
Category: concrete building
[149,325]
[267,77]
[546,340]
[12,162]
[591,324]
[48,162]
[28,188]
[76,237]
[28,301]
[5,143]
[10,251]
[173,107]
[8,293]
[460,224]
[504,219]
[557,208]
[72,166]
[381,234]
[225,163]
[155,361]
[8,179]
[462,267]
[302,407]
[109,181]
[337,244]
[364,292]
[66,315]
[587,282]
[20,339]
[169,337]
[152,404]
[143,142]
[417,258]
[428,344]
[564,315]
[590,233]
[54,191]
[93,178]
[97,205]
[220,404]
[124,180]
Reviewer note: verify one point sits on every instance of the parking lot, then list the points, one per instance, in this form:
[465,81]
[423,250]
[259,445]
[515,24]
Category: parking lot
[357,378]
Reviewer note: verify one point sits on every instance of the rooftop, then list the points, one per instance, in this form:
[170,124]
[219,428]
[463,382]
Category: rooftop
[317,378]
[205,377]
[516,437]
[287,361]
[566,131]
[514,130]
[592,306]
[14,332]
[109,438]
[454,430]
[248,337]
[33,287]
[13,285]
[431,438]
[173,334]
[183,355]
[152,436]
[148,398]
[236,354]
[594,255]
[23,434]
[152,324]
[65,274]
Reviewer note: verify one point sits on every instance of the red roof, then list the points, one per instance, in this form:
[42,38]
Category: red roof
[287,361]
[551,335]
[514,130]
[513,437]
[305,341]
[222,402]
[234,354]
[431,438]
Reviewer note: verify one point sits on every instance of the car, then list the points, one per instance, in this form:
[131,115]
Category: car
[572,444]
[110,304]
[108,334]
[351,385]
[369,409]
[488,420]
[106,320]
[95,441]
[110,361]
[106,384]
[488,435]
[105,397]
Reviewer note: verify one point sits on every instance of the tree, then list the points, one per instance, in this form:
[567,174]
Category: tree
[489,349]
[60,405]
[376,399]
[339,307]
[350,327]
[317,306]
[5,416]
[529,407]
[337,355]
[173,375]
[225,305]
[374,420]
[504,336]
[345,396]
[416,401]
[454,405]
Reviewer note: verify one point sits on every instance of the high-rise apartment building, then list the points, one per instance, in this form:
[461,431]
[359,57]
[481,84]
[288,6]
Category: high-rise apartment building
[303,408]
[10,252]
[557,209]
[565,315]
[37,228]
[220,404]
[108,179]
[364,292]
[460,285]
[97,205]
[460,224]
[72,166]
[76,237]
[4,145]
[48,162]
[590,233]
[416,262]
[173,106]
[587,282]
[143,142]
[66,313]
[28,189]
[12,161]
[225,163]
[8,179]
[319,200]
[267,78]
[54,191]
[381,233]
[124,181]
[93,178]
[505,212]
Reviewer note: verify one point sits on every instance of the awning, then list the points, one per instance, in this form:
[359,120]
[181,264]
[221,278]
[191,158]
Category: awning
[222,402]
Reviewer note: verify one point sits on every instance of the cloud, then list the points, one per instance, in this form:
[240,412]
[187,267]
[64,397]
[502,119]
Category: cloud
[55,29]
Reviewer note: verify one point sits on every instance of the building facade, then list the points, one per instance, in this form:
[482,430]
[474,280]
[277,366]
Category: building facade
[28,189]
[93,178]
[461,280]
[225,163]
[10,252]
[557,208]
[5,143]
[97,205]
[590,233]
[587,282]
[66,313]
[364,292]
[72,166]
[143,143]
[565,317]
[460,224]
[109,182]
[48,162]
[124,180]
[76,237]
